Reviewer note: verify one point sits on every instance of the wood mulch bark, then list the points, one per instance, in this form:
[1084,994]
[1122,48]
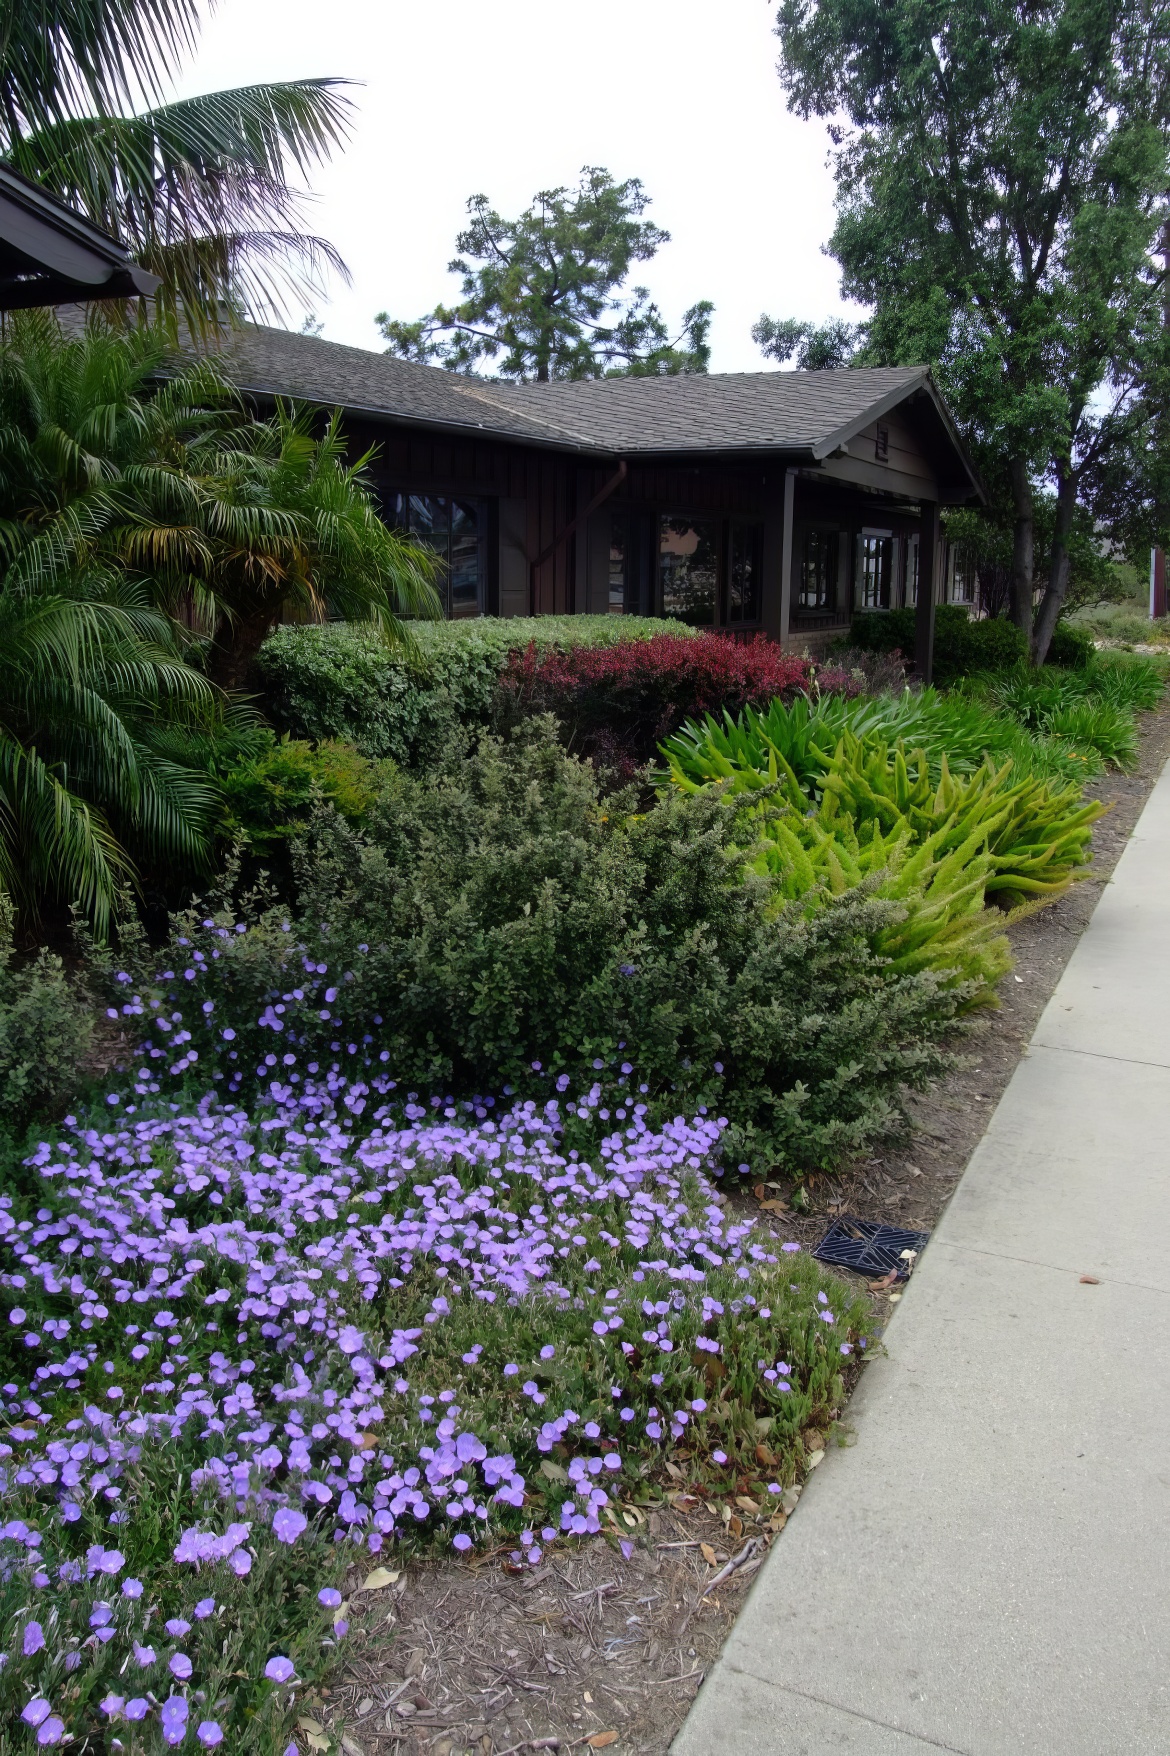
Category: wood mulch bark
[602,1649]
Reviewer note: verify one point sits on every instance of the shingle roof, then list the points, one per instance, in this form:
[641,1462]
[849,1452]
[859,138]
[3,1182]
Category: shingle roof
[805,414]
[724,411]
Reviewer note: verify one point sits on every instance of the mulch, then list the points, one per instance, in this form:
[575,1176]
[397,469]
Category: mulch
[599,1649]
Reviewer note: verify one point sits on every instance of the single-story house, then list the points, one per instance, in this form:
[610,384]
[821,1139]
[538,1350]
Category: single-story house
[50,255]
[770,501]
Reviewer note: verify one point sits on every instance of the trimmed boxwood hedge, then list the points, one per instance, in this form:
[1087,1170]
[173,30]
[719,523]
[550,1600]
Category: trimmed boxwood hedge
[340,682]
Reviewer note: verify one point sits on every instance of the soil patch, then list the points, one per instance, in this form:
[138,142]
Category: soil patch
[605,1645]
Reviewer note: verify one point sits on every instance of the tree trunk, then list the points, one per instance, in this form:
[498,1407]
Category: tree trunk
[1023,548]
[1058,567]
[234,648]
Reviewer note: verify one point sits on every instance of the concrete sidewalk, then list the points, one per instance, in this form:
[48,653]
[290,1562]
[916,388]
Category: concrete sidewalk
[987,1570]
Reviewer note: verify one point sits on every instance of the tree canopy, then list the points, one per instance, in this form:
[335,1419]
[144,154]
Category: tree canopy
[201,191]
[1001,175]
[544,295]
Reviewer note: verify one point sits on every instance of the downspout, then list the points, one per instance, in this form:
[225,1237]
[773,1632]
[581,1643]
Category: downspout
[563,536]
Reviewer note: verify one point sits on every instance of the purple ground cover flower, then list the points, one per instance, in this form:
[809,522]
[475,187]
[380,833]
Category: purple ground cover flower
[279,1670]
[322,1307]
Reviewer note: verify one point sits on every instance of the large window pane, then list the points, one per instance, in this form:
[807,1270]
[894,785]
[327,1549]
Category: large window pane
[817,582]
[688,568]
[619,562]
[452,528]
[875,556]
[463,565]
[743,585]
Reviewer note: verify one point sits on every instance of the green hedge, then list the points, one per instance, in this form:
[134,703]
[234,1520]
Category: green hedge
[963,645]
[340,682]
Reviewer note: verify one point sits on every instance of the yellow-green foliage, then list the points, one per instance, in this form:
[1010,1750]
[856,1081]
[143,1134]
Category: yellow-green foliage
[940,883]
[1036,832]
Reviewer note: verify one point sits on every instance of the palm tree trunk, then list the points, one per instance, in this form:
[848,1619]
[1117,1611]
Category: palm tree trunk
[233,651]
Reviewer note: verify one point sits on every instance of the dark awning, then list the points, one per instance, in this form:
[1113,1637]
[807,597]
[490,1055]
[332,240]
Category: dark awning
[50,255]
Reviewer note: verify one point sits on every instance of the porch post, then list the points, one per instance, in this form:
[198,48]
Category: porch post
[786,557]
[928,546]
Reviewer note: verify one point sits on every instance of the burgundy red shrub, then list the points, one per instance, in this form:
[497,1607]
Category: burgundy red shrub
[617,703]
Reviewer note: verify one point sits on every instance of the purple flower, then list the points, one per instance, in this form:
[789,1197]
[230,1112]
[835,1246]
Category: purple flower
[462,1542]
[113,1704]
[144,1656]
[279,1670]
[180,1666]
[511,1370]
[240,1562]
[37,1711]
[132,1588]
[209,1733]
[51,1731]
[137,1707]
[34,1640]
[719,1456]
[288,1525]
[546,1353]
[329,1596]
[177,1627]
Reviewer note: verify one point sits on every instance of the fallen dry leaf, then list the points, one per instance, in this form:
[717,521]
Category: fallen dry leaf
[312,1726]
[777,1521]
[379,1579]
[815,1457]
[602,1740]
[708,1554]
[351,1747]
[746,1505]
[735,1524]
[774,1206]
[887,1280]
[1090,1280]
[766,1457]
[316,1741]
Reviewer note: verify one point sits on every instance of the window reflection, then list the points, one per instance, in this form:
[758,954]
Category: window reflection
[688,568]
[743,583]
[454,530]
[875,556]
[817,583]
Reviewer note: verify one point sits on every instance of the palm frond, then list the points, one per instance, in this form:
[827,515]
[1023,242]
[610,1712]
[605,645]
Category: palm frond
[198,191]
[58,59]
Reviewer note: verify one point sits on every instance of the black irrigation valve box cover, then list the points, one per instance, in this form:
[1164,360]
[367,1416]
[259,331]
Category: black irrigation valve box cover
[868,1248]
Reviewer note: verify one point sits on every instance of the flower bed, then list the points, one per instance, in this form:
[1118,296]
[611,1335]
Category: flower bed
[247,1346]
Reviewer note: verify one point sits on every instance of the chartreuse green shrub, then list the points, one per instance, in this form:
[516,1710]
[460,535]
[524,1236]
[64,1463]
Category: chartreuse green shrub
[269,785]
[342,683]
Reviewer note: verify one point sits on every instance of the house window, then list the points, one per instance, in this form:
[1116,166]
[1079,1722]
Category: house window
[688,568]
[817,582]
[455,530]
[964,579]
[881,444]
[743,580]
[875,565]
[619,561]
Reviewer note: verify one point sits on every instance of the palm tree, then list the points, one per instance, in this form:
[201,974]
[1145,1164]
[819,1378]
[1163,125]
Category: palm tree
[93,683]
[151,534]
[199,191]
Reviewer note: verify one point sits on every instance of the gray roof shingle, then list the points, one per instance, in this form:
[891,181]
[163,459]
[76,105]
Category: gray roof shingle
[802,413]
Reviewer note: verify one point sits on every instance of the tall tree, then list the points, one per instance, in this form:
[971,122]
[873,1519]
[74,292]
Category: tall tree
[201,191]
[544,294]
[1001,175]
[815,347]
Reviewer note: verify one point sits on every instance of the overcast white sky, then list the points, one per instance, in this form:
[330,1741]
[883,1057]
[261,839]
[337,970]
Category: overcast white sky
[513,97]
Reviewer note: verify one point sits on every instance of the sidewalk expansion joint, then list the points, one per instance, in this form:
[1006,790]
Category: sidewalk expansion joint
[853,1712]
[1062,1268]
[1095,1055]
